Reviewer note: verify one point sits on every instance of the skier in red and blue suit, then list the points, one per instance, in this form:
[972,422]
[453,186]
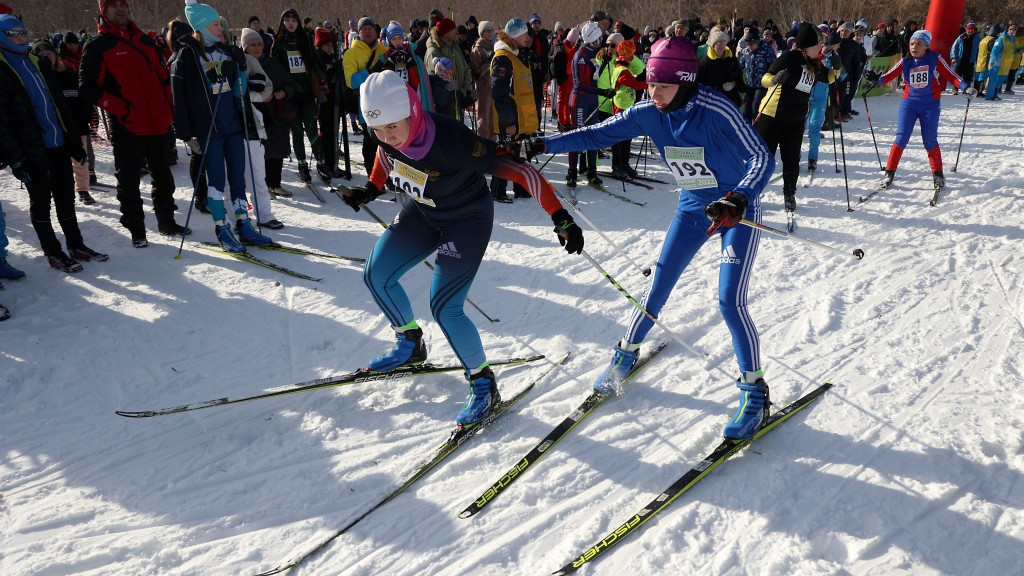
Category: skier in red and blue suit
[925,75]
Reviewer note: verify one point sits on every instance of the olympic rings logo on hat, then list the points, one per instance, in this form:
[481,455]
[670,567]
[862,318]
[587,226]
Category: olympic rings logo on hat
[372,113]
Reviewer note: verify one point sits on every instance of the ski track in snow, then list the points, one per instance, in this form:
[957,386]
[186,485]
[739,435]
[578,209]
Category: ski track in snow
[910,465]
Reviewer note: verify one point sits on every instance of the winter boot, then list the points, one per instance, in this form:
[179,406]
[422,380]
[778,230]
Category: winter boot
[753,411]
[139,240]
[272,224]
[87,254]
[938,179]
[621,173]
[570,179]
[592,178]
[249,235]
[63,262]
[622,362]
[8,271]
[324,174]
[483,397]
[281,192]
[304,172]
[85,197]
[4,313]
[789,200]
[632,173]
[812,164]
[410,349]
[172,228]
[227,239]
[887,181]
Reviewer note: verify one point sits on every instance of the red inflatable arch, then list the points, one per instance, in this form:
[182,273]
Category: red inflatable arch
[944,19]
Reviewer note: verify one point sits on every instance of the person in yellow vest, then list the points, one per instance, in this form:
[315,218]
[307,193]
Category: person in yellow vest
[1018,53]
[626,83]
[981,64]
[364,57]
[1009,38]
[514,108]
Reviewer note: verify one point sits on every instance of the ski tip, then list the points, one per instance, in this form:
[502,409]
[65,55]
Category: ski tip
[467,513]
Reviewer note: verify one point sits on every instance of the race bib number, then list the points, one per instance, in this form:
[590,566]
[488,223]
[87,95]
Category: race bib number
[806,81]
[216,87]
[689,168]
[295,62]
[411,181]
[918,77]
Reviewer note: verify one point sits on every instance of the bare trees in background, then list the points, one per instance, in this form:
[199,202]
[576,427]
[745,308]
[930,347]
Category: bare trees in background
[44,16]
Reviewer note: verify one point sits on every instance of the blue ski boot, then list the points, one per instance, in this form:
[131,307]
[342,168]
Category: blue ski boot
[409,349]
[227,239]
[622,362]
[754,408]
[8,271]
[483,397]
[249,235]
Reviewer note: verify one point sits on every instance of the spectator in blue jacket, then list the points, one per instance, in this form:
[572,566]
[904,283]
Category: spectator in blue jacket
[964,52]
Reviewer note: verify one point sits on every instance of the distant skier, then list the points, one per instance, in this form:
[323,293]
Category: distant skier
[925,75]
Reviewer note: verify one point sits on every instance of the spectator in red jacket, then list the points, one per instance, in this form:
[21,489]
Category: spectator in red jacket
[123,73]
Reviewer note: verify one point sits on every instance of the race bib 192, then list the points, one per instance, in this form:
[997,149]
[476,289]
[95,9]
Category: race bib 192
[689,168]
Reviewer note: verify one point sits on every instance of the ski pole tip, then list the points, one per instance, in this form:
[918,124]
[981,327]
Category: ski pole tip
[858,253]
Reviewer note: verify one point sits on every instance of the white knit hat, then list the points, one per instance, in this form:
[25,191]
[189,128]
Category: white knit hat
[384,99]
[250,37]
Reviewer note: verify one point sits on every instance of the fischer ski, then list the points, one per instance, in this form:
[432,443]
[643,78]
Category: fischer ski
[312,188]
[559,432]
[614,195]
[886,183]
[634,181]
[357,377]
[808,179]
[247,257]
[727,448]
[287,248]
[457,438]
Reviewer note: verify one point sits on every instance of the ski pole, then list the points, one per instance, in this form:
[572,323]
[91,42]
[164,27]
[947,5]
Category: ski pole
[835,151]
[867,111]
[346,192]
[246,116]
[857,252]
[962,128]
[202,162]
[760,112]
[846,180]
[644,271]
[639,306]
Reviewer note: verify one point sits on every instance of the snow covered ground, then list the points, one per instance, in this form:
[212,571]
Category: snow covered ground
[911,464]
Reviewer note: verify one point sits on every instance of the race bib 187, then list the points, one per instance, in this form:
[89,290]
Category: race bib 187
[295,62]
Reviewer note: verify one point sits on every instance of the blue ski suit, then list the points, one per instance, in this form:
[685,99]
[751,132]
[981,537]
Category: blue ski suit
[739,161]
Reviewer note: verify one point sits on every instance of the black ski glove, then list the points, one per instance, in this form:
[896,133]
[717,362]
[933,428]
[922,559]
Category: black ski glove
[726,212]
[569,234]
[358,195]
[21,173]
[533,148]
[781,77]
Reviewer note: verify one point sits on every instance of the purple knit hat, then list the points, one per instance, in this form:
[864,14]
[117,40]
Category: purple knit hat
[673,61]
